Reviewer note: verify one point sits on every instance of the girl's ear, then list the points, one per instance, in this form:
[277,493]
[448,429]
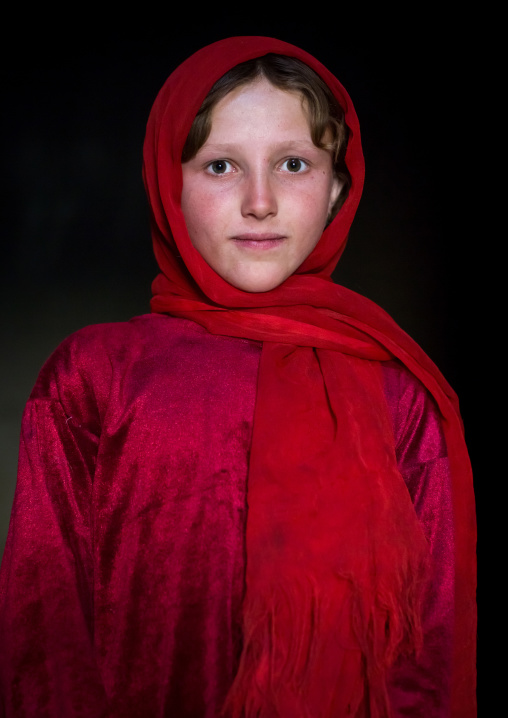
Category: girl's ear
[335,191]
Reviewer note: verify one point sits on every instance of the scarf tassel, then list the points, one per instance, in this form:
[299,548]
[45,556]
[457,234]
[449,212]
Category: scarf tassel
[316,651]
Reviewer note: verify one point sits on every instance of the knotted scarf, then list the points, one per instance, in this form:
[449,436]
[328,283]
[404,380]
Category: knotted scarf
[336,559]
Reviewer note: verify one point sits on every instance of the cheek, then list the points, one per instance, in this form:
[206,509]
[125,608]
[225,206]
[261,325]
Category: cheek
[207,224]
[204,209]
[312,207]
[195,207]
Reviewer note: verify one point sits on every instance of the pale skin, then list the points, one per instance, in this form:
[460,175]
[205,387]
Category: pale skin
[257,195]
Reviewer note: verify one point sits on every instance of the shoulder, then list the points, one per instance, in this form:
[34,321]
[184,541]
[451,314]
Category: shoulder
[416,419]
[88,359]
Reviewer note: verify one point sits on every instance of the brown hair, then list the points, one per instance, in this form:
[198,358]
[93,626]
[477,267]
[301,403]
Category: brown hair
[291,75]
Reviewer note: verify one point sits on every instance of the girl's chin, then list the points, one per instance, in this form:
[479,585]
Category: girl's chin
[256,282]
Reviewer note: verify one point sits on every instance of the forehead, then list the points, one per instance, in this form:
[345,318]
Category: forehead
[260,108]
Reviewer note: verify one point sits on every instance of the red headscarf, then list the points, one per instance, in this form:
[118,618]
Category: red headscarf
[336,558]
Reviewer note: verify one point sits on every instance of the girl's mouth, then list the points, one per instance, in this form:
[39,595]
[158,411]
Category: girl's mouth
[259,240]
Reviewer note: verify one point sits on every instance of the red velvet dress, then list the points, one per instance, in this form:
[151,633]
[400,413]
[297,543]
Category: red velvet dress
[123,575]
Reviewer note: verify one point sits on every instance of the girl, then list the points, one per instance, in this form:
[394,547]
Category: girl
[255,501]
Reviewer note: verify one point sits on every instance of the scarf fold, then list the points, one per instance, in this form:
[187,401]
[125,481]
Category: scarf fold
[336,558]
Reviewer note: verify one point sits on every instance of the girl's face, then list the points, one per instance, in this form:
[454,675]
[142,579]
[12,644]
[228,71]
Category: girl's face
[257,194]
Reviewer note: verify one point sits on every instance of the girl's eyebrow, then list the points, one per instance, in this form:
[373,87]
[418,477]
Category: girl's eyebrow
[279,146]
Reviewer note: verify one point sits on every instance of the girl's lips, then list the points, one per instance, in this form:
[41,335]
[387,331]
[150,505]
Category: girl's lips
[266,240]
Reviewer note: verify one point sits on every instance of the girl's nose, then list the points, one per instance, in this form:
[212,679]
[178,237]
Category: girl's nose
[259,198]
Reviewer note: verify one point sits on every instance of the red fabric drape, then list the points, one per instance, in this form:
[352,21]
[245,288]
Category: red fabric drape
[335,556]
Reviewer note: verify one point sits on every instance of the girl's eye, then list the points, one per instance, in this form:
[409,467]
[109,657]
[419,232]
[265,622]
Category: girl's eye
[294,164]
[219,167]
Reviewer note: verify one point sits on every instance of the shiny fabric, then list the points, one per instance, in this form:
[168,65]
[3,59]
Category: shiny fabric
[123,576]
[422,686]
[328,342]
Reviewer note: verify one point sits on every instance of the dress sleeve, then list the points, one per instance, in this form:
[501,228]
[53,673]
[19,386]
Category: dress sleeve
[420,686]
[47,662]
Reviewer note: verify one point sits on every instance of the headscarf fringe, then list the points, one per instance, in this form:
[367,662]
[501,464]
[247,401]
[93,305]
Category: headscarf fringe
[274,676]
